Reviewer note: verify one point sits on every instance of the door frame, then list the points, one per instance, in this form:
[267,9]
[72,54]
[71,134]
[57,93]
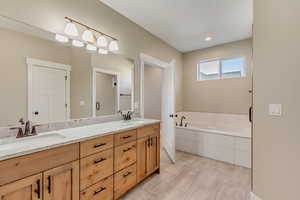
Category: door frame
[31,62]
[154,62]
[94,87]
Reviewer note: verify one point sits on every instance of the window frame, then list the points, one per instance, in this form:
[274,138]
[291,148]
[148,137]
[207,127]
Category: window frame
[220,68]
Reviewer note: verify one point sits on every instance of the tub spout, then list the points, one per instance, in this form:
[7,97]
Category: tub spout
[181,120]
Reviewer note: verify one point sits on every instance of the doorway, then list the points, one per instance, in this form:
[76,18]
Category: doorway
[106,92]
[152,92]
[167,100]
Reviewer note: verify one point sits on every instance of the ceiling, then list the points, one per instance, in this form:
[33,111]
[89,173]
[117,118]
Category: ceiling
[184,24]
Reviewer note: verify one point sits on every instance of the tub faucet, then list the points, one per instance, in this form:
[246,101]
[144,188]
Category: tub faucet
[181,120]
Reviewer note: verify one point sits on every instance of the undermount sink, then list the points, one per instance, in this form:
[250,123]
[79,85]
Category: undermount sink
[20,143]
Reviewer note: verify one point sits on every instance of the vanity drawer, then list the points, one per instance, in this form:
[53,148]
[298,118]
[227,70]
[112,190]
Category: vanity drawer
[125,137]
[148,130]
[102,190]
[95,167]
[96,145]
[125,155]
[124,180]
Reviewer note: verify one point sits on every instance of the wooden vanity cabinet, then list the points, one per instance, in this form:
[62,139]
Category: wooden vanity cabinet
[103,168]
[148,151]
[62,183]
[29,188]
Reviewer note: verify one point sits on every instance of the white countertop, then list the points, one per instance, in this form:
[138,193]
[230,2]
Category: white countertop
[12,147]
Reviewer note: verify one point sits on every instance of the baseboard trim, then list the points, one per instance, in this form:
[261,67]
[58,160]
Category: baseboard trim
[254,197]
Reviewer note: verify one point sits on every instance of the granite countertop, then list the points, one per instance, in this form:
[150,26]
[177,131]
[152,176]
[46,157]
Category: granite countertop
[12,147]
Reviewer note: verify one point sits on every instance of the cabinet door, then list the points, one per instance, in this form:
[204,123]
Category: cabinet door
[62,183]
[153,155]
[25,189]
[142,155]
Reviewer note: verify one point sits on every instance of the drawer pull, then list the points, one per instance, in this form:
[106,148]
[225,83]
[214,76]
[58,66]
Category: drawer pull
[100,190]
[126,137]
[99,161]
[99,145]
[128,149]
[127,174]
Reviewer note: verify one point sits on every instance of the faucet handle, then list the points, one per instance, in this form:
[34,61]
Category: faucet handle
[20,131]
[33,130]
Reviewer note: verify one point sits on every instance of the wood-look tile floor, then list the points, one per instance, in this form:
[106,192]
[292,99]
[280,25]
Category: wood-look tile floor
[194,178]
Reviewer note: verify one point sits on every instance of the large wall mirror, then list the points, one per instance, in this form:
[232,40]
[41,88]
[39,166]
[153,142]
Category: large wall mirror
[44,80]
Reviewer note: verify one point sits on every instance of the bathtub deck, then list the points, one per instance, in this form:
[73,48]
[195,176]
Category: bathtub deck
[194,178]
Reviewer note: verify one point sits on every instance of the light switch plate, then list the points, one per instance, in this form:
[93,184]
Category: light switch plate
[275,109]
[82,103]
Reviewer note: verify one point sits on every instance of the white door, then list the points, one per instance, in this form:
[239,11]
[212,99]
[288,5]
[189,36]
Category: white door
[48,95]
[168,110]
[106,94]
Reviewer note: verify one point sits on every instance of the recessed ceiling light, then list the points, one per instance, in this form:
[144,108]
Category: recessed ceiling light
[208,38]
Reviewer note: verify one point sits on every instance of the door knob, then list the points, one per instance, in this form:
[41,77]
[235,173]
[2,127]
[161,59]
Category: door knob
[36,113]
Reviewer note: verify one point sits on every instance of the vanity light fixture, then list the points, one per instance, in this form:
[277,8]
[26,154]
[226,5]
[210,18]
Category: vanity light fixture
[113,45]
[88,37]
[91,47]
[77,43]
[103,51]
[61,38]
[71,29]
[102,41]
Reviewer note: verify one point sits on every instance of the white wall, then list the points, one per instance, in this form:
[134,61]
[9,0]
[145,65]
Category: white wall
[276,80]
[152,92]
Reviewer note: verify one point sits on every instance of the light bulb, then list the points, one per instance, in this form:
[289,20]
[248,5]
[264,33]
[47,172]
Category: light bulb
[102,41]
[102,51]
[61,38]
[71,29]
[91,47]
[88,36]
[208,39]
[77,43]
[113,45]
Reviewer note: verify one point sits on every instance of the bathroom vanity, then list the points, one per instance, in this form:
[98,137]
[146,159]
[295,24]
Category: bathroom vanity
[95,162]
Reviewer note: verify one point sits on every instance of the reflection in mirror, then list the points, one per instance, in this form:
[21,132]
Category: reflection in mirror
[43,80]
[112,85]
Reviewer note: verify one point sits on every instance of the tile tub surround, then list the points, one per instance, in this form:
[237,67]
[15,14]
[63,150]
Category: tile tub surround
[10,147]
[223,137]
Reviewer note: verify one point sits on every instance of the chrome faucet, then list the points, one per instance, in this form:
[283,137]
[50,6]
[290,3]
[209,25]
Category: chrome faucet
[181,120]
[126,116]
[28,130]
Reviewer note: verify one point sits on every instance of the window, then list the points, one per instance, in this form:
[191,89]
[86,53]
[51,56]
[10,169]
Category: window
[221,69]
